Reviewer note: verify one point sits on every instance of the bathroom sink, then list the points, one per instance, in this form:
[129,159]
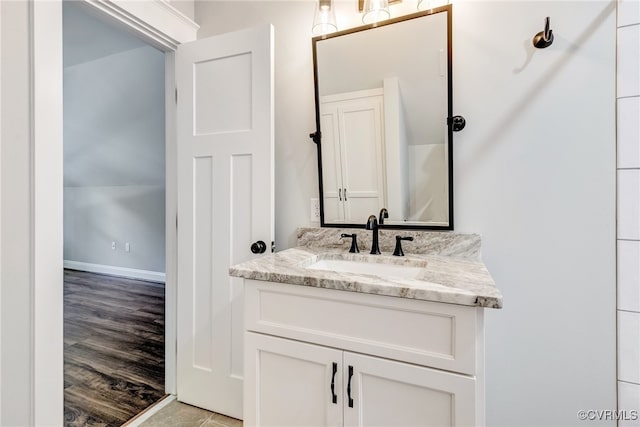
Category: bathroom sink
[370,268]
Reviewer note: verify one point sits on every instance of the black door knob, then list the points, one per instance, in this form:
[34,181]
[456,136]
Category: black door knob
[258,247]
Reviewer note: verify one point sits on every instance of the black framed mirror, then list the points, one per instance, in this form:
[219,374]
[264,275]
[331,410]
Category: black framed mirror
[384,131]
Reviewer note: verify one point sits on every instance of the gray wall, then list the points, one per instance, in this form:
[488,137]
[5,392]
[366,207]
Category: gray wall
[114,151]
[534,174]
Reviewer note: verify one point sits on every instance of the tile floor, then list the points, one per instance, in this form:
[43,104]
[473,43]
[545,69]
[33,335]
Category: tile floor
[177,414]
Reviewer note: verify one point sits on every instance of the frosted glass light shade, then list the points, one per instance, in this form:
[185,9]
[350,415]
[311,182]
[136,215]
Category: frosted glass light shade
[375,11]
[324,20]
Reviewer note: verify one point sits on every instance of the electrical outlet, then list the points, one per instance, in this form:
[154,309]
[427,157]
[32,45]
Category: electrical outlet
[113,246]
[315,210]
[127,247]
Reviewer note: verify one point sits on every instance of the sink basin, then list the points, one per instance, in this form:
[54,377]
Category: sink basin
[369,268]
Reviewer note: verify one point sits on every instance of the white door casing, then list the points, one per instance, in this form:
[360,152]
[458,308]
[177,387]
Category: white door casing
[31,373]
[225,202]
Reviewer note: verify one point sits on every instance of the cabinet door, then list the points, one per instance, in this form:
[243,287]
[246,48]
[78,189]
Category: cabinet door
[288,383]
[388,393]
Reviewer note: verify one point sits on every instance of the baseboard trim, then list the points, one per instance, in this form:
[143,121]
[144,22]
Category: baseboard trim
[131,273]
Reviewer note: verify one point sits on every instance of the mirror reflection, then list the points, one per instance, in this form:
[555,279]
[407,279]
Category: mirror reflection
[382,100]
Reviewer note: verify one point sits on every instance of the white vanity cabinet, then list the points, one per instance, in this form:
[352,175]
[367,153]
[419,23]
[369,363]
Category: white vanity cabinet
[323,357]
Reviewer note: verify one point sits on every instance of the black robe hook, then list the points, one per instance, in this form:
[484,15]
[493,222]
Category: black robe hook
[544,38]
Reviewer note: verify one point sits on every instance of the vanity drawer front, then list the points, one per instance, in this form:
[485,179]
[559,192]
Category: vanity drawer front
[425,333]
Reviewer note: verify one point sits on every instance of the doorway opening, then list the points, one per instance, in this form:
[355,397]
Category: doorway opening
[114,220]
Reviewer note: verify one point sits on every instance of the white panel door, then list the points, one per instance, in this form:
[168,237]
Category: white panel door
[363,175]
[389,393]
[331,167]
[292,381]
[225,203]
[353,161]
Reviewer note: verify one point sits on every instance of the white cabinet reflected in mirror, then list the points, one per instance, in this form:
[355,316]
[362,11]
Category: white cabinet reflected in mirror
[383,99]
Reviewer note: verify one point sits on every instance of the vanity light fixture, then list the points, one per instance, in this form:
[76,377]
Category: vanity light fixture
[430,4]
[425,4]
[375,11]
[324,20]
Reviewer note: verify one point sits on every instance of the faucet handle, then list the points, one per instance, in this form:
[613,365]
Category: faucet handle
[398,250]
[354,244]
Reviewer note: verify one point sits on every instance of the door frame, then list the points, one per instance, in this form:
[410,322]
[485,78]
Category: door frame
[163,27]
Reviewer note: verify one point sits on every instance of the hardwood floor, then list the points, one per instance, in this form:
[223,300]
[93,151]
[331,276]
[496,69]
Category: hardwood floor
[113,348]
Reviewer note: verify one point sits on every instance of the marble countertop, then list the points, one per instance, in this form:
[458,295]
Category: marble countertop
[447,279]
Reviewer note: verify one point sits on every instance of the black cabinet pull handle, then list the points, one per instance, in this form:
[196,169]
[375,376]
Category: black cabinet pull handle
[345,194]
[334,396]
[349,387]
[340,194]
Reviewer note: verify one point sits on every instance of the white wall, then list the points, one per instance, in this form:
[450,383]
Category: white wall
[114,149]
[534,174]
[628,100]
[184,6]
[428,195]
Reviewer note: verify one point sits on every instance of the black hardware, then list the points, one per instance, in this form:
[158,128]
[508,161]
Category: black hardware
[349,387]
[384,213]
[258,247]
[372,224]
[354,244]
[273,246]
[334,396]
[340,194]
[398,250]
[315,136]
[345,194]
[544,38]
[457,123]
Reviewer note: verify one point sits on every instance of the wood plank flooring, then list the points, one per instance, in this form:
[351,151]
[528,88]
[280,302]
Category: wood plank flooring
[113,348]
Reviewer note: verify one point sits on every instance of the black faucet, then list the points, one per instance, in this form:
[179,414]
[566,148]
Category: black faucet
[372,224]
[384,213]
